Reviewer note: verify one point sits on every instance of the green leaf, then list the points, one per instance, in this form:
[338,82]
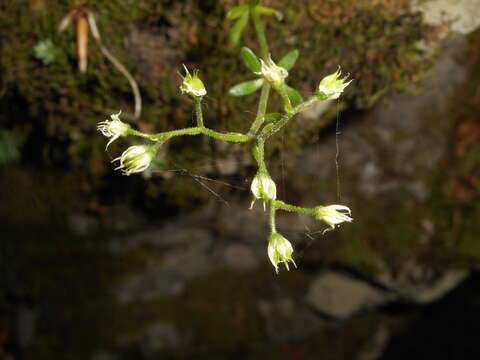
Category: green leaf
[250,59]
[293,95]
[237,29]
[237,12]
[289,60]
[272,117]
[263,10]
[246,88]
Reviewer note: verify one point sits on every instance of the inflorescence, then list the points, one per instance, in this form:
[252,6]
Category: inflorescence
[271,75]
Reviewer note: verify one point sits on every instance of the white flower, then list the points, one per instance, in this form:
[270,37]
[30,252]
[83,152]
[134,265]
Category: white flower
[331,86]
[263,188]
[192,85]
[280,250]
[333,215]
[135,159]
[113,128]
[273,73]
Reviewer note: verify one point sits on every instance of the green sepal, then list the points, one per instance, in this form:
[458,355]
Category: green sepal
[263,10]
[238,28]
[321,96]
[237,12]
[289,60]
[246,88]
[250,59]
[293,95]
[272,117]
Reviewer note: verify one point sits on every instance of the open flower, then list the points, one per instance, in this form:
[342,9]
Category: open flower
[273,73]
[264,188]
[113,128]
[280,250]
[192,85]
[332,85]
[135,159]
[333,215]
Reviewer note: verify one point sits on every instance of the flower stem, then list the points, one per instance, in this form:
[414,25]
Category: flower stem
[198,111]
[262,39]
[258,152]
[262,109]
[292,208]
[229,137]
[270,130]
[272,209]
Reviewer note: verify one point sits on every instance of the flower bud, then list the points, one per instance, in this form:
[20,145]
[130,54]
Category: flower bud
[192,85]
[332,86]
[113,128]
[135,159]
[279,250]
[333,215]
[263,188]
[273,73]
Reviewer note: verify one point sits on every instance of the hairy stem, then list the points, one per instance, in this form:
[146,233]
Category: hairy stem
[262,39]
[272,218]
[262,109]
[197,130]
[292,208]
[198,112]
[269,131]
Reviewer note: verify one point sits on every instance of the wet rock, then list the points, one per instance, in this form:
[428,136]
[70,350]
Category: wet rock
[25,326]
[159,337]
[121,218]
[150,284]
[174,256]
[340,296]
[301,321]
[464,15]
[104,355]
[240,257]
[82,225]
[375,347]
[421,284]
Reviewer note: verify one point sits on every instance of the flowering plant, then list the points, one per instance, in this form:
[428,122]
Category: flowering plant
[270,75]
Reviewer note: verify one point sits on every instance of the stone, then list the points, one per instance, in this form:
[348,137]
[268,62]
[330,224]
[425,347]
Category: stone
[340,296]
[159,337]
[82,225]
[240,257]
[420,284]
[464,15]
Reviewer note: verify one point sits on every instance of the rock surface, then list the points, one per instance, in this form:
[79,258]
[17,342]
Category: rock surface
[464,15]
[339,296]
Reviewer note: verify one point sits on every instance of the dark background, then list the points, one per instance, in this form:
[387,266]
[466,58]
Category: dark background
[171,264]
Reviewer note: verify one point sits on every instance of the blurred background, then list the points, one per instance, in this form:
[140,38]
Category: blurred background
[171,264]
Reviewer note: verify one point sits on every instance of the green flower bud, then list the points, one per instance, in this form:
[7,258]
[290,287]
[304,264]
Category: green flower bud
[263,188]
[136,159]
[113,128]
[273,73]
[333,215]
[192,85]
[332,86]
[280,250]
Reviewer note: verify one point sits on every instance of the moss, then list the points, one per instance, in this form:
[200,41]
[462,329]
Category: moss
[374,41]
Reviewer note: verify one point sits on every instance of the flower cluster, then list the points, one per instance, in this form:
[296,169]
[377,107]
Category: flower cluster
[270,75]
